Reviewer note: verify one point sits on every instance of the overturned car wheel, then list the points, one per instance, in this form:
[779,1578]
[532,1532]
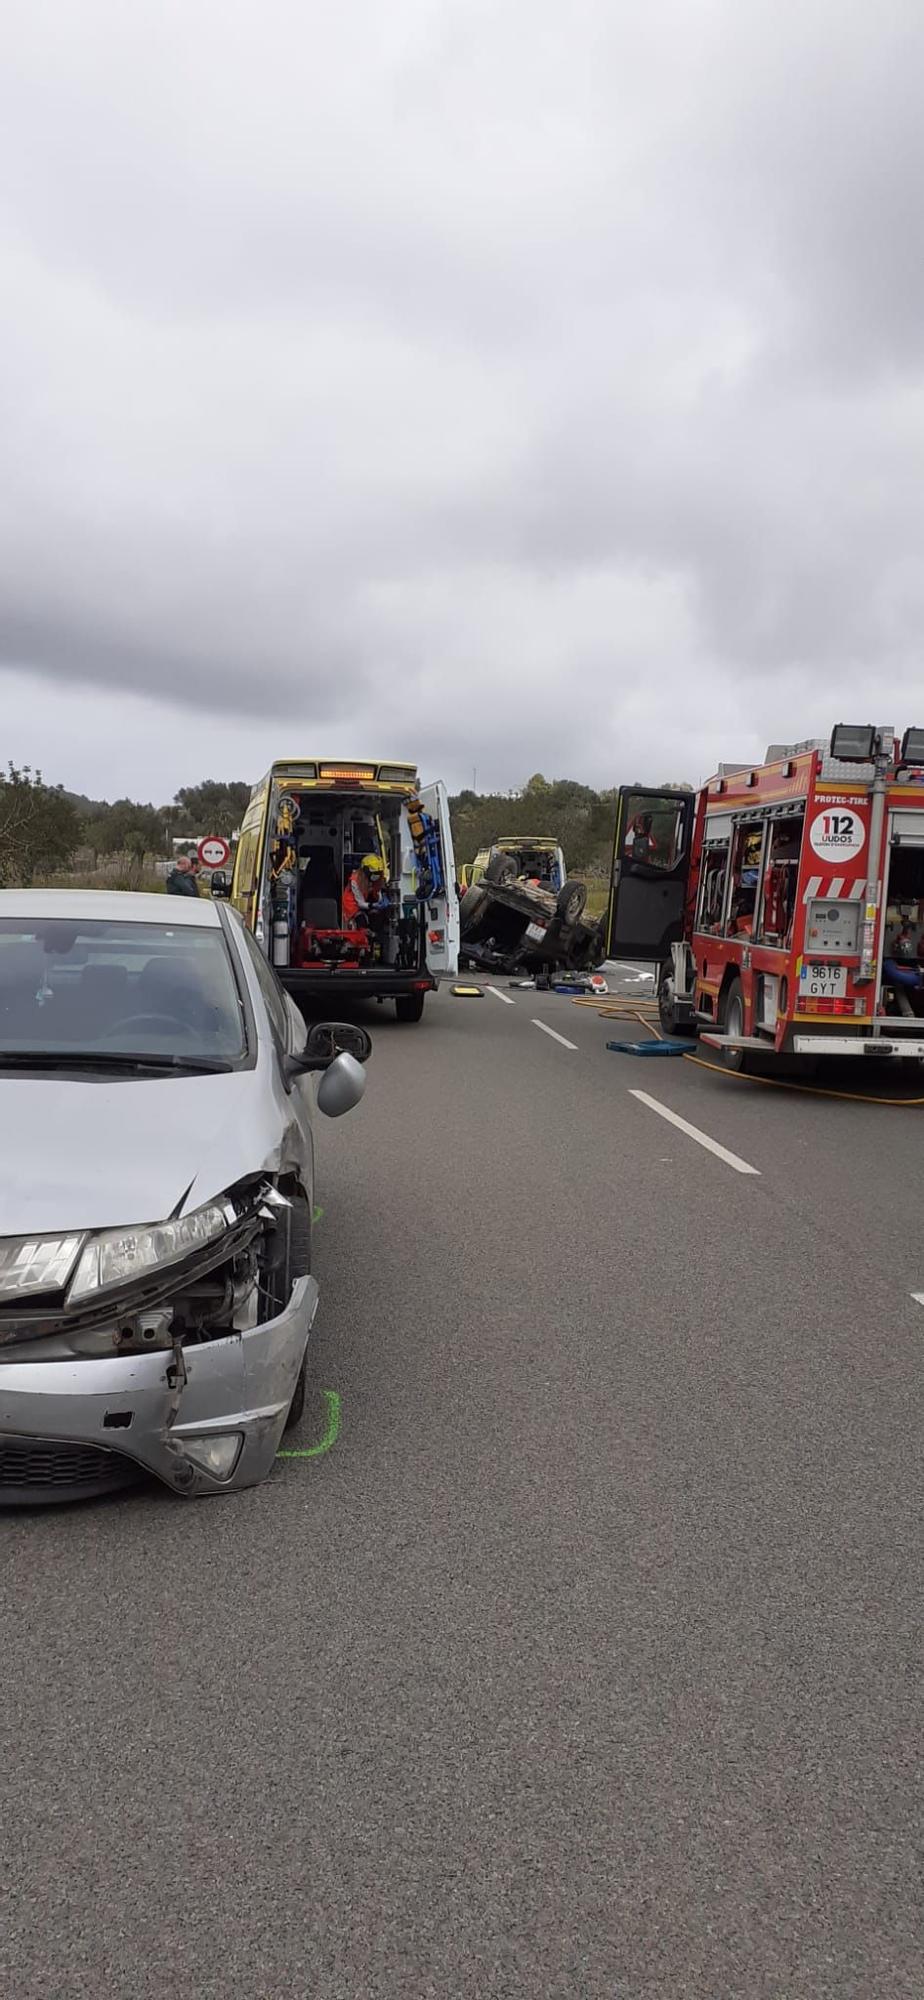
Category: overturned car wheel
[500,869]
[571,901]
[471,906]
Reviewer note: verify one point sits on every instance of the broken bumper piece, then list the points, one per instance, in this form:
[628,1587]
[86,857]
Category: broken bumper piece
[85,1426]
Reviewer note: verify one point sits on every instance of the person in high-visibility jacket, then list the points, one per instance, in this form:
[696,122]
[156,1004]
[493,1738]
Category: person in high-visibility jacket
[364,892]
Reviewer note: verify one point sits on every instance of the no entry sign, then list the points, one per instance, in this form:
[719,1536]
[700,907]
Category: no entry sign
[214,851]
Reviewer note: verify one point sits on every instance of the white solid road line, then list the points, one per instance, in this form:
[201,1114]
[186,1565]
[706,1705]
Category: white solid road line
[556,1037]
[918,1298]
[693,1132]
[498,995]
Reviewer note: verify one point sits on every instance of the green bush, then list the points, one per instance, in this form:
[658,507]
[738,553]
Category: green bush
[99,878]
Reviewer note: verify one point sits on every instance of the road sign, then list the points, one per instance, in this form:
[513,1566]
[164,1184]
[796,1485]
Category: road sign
[214,851]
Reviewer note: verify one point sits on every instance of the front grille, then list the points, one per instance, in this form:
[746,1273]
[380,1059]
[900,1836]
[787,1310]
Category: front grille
[46,1466]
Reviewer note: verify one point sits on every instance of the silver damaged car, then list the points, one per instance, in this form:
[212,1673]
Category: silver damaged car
[156,1194]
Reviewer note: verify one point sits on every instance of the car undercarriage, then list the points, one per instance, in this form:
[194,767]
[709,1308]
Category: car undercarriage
[510,925]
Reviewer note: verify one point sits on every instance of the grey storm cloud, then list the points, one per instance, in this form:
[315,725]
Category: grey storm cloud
[526,387]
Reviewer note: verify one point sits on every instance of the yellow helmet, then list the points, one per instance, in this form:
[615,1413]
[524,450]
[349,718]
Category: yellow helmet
[373,864]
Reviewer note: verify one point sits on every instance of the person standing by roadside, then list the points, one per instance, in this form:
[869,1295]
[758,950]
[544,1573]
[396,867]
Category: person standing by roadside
[181,880]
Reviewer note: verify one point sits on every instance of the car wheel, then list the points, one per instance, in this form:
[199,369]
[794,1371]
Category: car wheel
[733,1024]
[410,1007]
[297,1405]
[587,952]
[293,1260]
[571,901]
[471,906]
[500,869]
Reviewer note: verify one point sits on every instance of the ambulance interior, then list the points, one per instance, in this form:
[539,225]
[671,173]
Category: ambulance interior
[319,840]
[537,864]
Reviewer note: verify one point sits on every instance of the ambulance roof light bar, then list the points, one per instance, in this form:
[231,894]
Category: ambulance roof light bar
[854,742]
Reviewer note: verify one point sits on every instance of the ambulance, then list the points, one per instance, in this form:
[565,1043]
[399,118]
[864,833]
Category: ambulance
[309,824]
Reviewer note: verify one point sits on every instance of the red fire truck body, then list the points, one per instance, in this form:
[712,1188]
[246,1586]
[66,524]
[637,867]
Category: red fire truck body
[784,904]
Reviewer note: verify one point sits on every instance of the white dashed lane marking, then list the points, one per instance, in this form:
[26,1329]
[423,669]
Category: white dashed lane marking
[556,1037]
[693,1132]
[498,995]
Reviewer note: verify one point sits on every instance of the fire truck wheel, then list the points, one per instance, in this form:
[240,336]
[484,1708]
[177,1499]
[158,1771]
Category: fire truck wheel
[666,1014]
[733,1024]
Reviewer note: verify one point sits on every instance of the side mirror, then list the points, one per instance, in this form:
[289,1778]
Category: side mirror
[219,883]
[341,1086]
[328,1039]
[326,1043]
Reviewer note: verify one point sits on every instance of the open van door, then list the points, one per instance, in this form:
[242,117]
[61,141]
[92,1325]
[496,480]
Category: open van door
[443,931]
[651,862]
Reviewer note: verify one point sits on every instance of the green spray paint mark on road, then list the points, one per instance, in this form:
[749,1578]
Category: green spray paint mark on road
[316,1214]
[330,1435]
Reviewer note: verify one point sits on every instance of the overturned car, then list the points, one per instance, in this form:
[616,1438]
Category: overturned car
[512,925]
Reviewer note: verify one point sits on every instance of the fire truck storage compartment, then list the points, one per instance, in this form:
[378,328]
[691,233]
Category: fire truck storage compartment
[760,898]
[330,835]
[902,992]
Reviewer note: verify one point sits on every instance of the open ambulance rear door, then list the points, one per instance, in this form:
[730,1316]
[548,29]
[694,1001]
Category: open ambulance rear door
[651,863]
[443,931]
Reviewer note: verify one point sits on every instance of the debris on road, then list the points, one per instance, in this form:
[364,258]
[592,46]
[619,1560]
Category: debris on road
[651,1048]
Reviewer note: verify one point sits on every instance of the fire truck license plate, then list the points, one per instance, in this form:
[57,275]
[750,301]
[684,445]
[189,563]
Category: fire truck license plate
[824,982]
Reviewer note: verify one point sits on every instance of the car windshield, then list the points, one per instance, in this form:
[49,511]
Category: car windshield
[76,988]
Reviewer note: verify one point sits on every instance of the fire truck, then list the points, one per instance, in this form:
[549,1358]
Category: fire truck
[783,904]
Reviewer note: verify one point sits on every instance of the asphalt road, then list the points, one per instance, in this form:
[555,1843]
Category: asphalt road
[588,1661]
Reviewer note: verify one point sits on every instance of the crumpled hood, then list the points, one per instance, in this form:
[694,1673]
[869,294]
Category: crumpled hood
[100,1153]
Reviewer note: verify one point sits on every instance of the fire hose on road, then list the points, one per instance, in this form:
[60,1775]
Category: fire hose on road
[645,1013]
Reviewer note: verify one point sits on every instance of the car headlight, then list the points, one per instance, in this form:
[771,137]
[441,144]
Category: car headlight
[36,1264]
[119,1256]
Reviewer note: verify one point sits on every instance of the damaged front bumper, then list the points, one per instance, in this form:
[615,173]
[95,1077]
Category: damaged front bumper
[72,1428]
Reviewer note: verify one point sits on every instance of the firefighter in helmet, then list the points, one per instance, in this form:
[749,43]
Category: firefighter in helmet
[365,893]
[641,844]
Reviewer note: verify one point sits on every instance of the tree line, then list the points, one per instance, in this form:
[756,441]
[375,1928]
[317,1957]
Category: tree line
[580,819]
[43,827]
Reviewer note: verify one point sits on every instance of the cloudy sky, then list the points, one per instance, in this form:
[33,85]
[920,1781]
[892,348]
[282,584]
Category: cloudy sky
[499,383]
